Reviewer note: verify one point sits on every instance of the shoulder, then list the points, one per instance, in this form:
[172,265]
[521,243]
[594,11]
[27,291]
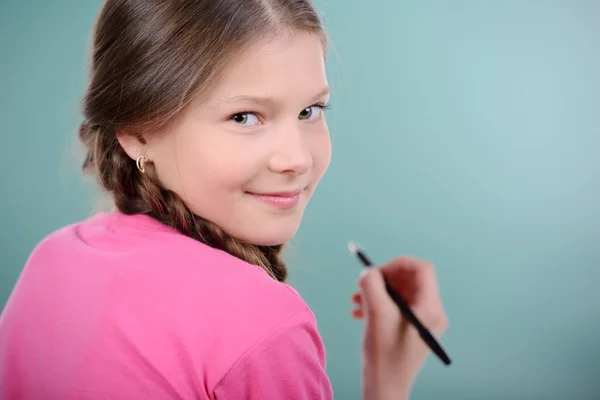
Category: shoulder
[141,256]
[179,293]
[214,304]
[287,362]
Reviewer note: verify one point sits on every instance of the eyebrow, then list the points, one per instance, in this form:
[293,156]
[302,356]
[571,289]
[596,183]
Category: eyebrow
[266,100]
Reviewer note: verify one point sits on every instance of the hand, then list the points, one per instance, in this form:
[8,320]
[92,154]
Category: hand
[393,351]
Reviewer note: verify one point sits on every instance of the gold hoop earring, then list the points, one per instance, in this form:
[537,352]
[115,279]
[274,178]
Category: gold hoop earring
[141,163]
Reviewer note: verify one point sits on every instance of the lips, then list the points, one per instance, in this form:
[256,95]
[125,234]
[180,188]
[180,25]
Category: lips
[279,194]
[283,200]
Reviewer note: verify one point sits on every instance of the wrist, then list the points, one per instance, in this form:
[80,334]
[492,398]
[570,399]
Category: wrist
[381,383]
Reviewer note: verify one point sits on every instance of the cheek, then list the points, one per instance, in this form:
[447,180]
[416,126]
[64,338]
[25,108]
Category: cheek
[321,151]
[216,164]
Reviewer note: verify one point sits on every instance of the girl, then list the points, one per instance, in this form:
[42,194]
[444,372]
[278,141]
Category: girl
[204,121]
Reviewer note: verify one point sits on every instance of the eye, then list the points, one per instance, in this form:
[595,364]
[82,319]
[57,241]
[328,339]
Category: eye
[313,112]
[245,119]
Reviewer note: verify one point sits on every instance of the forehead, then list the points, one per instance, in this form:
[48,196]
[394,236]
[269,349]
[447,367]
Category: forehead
[291,66]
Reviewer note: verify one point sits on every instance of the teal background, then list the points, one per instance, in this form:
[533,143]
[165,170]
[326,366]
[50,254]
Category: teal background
[464,132]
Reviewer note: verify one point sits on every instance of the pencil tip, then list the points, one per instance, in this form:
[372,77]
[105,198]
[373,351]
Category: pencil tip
[352,247]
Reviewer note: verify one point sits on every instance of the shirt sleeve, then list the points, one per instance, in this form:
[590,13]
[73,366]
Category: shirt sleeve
[287,363]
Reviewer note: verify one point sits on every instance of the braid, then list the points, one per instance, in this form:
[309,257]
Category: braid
[136,193]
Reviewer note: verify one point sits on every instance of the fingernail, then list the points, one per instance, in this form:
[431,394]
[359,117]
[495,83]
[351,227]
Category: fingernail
[363,272]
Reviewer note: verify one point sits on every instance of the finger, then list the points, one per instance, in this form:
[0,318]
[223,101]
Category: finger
[420,275]
[356,298]
[375,299]
[407,274]
[357,313]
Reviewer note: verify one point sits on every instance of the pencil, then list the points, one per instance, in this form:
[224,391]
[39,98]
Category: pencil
[404,309]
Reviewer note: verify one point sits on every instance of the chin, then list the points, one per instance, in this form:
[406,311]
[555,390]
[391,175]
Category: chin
[265,239]
[269,237]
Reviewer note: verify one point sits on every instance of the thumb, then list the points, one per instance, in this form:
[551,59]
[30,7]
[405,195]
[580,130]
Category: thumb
[376,300]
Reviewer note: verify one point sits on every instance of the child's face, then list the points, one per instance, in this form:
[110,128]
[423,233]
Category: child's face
[229,151]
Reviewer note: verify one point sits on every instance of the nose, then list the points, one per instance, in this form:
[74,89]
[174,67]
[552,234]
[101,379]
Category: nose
[291,153]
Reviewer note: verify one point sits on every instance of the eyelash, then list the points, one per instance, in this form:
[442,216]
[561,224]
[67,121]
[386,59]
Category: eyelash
[322,106]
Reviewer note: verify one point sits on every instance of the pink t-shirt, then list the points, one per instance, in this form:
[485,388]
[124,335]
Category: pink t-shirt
[124,307]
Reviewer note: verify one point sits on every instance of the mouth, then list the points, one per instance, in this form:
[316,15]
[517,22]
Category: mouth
[283,200]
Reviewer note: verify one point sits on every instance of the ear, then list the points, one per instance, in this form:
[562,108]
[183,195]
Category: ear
[133,145]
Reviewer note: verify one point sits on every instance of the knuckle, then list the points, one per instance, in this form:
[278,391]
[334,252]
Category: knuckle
[427,265]
[442,324]
[436,319]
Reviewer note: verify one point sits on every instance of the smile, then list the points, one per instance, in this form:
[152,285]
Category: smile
[283,200]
